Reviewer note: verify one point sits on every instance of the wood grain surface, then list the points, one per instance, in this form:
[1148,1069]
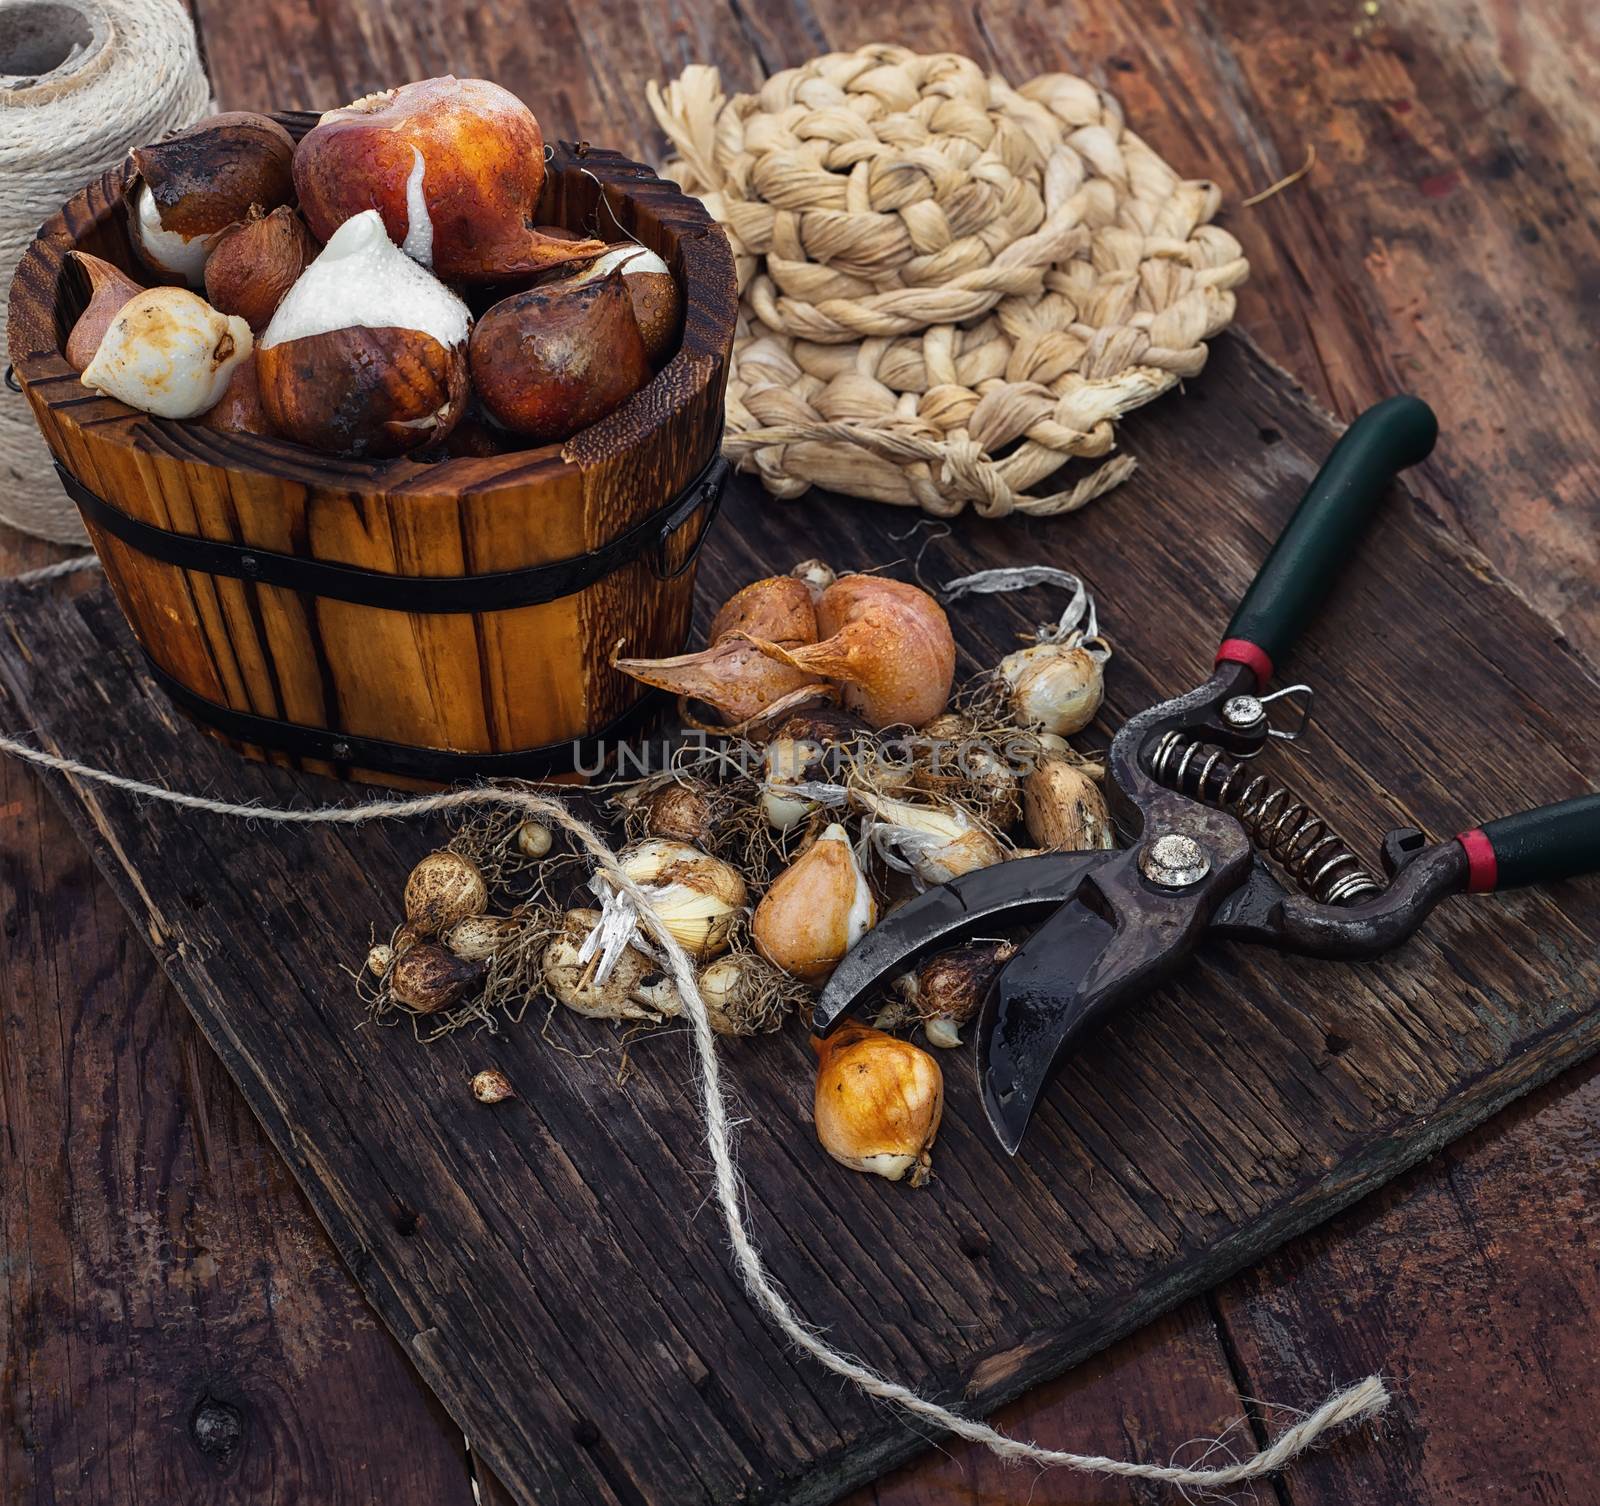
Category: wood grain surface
[1445,223]
[529,1259]
[486,681]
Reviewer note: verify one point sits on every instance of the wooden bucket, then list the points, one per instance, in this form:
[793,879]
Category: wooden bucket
[400,621]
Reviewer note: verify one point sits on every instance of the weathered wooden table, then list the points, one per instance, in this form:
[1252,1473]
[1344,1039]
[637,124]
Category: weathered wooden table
[177,1327]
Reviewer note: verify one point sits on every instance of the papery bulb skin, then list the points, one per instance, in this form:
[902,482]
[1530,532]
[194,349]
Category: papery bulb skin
[887,644]
[816,910]
[454,166]
[109,289]
[554,360]
[734,676]
[698,898]
[878,1102]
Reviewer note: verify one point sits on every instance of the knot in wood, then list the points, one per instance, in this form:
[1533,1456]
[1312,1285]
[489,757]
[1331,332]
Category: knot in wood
[217,1428]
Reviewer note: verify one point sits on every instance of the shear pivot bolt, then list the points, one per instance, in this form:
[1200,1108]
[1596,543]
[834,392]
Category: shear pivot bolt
[1242,712]
[1174,861]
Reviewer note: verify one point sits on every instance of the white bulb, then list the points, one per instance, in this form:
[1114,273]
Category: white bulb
[168,352]
[362,279]
[177,255]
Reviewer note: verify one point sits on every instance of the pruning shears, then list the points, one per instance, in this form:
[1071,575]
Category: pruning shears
[1112,925]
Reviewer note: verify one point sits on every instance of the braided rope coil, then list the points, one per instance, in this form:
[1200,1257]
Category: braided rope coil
[951,288]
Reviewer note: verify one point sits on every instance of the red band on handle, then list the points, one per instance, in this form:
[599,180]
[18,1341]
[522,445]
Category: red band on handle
[1483,869]
[1242,651]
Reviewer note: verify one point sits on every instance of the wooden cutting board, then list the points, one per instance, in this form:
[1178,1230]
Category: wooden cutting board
[554,1266]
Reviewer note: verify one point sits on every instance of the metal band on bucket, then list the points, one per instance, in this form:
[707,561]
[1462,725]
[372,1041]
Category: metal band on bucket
[492,592]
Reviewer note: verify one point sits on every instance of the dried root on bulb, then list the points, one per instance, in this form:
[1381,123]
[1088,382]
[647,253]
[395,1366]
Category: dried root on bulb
[515,973]
[746,995]
[944,994]
[635,988]
[976,768]
[440,990]
[682,807]
[520,860]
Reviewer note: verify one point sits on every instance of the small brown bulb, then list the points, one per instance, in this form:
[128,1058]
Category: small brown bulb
[427,978]
[255,261]
[444,888]
[553,360]
[109,288]
[492,1086]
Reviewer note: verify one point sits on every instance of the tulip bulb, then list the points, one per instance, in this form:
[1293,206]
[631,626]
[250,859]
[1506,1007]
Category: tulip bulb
[1063,808]
[196,183]
[878,1102]
[168,352]
[735,677]
[110,288]
[426,978]
[443,889]
[698,898]
[492,1086]
[936,843]
[652,290]
[254,263]
[556,359]
[945,993]
[628,992]
[816,910]
[1053,687]
[366,354]
[454,166]
[886,643]
[239,410]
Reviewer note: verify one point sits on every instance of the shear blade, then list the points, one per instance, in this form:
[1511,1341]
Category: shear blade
[1008,894]
[1039,1003]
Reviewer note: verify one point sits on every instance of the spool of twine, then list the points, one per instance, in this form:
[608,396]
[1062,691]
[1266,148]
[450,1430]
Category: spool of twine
[952,287]
[81,83]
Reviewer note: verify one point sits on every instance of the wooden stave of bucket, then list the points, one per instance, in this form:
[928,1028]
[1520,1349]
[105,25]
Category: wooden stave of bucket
[311,681]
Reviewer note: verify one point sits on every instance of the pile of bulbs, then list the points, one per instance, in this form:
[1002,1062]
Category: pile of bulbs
[377,290]
[768,881]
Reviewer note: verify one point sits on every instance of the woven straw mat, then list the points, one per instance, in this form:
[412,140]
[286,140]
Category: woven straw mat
[951,288]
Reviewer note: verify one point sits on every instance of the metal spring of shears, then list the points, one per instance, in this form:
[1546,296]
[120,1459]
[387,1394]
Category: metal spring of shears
[1304,844]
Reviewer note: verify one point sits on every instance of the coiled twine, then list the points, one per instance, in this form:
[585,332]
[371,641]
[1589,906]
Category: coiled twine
[81,83]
